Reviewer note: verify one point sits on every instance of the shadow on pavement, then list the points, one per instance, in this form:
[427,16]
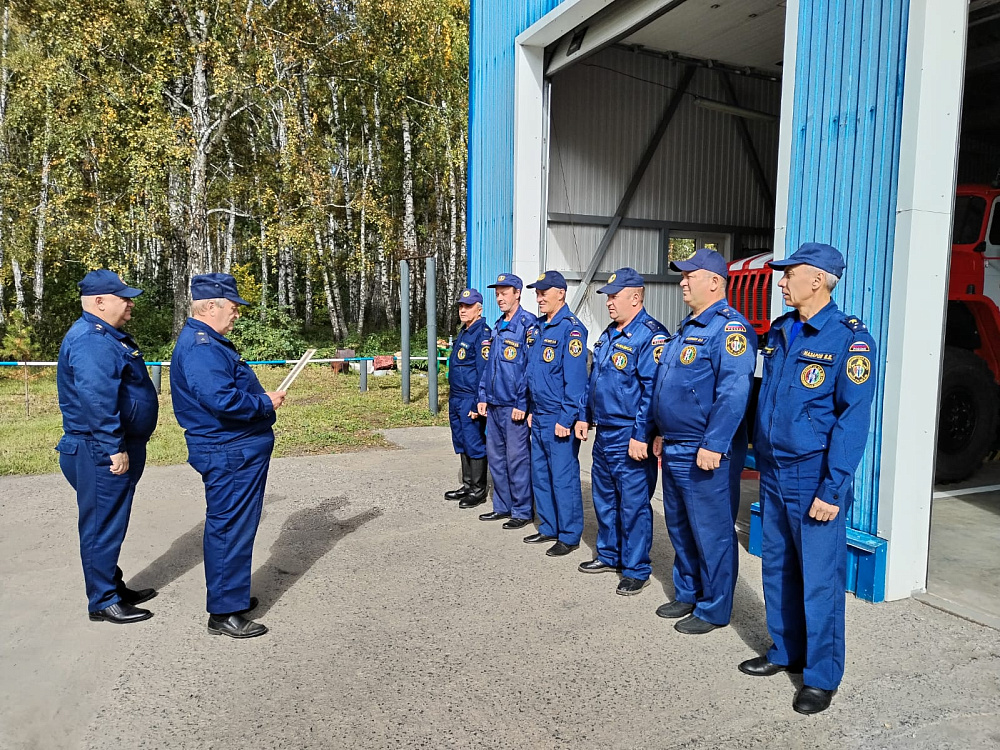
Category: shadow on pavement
[306,536]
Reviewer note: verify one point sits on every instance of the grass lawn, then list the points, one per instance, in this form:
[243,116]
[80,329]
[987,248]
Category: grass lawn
[324,413]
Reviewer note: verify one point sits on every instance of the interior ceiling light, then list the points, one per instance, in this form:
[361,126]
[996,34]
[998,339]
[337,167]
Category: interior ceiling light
[732,109]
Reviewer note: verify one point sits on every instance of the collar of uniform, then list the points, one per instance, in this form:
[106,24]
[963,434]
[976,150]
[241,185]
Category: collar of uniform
[707,314]
[563,312]
[200,326]
[475,326]
[118,334]
[820,319]
[640,318]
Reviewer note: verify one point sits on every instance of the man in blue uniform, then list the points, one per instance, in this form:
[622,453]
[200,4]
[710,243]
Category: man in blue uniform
[623,475]
[469,355]
[702,388]
[109,409]
[557,389]
[227,418]
[503,401]
[812,425]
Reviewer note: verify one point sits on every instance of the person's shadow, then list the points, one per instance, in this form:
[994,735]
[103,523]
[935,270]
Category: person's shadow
[306,536]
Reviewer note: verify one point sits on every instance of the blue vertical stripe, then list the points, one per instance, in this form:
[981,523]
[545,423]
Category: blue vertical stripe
[845,170]
[494,25]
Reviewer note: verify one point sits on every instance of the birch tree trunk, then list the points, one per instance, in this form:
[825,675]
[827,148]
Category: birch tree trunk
[18,285]
[40,223]
[4,154]
[410,219]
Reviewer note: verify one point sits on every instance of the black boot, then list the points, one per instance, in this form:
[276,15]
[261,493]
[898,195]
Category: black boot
[479,489]
[462,491]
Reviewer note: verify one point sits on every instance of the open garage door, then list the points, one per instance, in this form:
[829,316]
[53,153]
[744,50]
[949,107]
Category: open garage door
[964,566]
[663,136]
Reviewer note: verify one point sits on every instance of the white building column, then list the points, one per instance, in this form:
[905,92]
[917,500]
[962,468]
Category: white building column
[932,107]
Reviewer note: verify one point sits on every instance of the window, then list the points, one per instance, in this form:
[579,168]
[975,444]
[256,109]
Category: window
[681,244]
[969,213]
[995,224]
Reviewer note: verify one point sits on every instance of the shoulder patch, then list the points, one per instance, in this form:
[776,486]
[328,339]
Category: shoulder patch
[854,324]
[859,346]
[659,339]
[735,327]
[200,337]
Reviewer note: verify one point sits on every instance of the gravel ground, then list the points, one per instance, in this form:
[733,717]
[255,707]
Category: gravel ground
[399,621]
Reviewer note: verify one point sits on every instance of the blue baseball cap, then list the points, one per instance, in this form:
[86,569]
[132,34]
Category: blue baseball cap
[215,286]
[703,258]
[470,296]
[824,257]
[549,280]
[506,279]
[623,277]
[106,282]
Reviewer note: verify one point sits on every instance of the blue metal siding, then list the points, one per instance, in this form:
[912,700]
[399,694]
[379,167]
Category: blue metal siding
[494,25]
[845,168]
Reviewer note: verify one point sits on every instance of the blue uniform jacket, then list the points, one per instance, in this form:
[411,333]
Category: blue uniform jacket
[816,396]
[216,396]
[468,359]
[505,381]
[557,368]
[623,374]
[104,389]
[705,377]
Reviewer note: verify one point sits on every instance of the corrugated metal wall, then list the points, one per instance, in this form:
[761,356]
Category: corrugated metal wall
[604,111]
[845,165]
[494,24]
[603,114]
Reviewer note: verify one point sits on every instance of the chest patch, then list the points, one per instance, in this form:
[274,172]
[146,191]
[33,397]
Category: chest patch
[619,360]
[461,353]
[813,376]
[575,347]
[736,344]
[549,354]
[688,355]
[510,352]
[859,369]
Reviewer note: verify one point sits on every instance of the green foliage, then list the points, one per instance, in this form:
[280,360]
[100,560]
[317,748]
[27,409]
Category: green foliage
[271,335]
[19,340]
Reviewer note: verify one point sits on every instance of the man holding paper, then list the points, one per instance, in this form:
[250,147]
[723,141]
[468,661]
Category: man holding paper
[227,418]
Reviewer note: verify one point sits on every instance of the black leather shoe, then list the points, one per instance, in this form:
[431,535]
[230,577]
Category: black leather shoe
[493,516]
[812,700]
[235,626]
[630,586]
[133,597]
[456,494]
[596,566]
[760,667]
[559,549]
[120,613]
[517,523]
[673,609]
[538,538]
[694,625]
[472,501]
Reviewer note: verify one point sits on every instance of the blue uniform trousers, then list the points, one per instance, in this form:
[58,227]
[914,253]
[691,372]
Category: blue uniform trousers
[804,567]
[234,475]
[699,515]
[509,456]
[555,479]
[468,435]
[105,503]
[621,489]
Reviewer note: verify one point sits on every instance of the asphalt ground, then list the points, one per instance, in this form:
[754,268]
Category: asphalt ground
[399,621]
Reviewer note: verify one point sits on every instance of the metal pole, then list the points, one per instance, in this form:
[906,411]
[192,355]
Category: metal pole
[157,376]
[432,351]
[404,322]
[364,375]
[27,399]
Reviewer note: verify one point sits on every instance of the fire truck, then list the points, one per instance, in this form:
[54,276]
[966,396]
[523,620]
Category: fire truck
[970,380]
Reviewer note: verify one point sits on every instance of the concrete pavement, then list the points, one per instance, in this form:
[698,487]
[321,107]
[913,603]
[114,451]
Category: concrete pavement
[399,621]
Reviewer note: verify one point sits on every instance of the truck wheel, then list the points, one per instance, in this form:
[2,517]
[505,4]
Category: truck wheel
[967,424]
